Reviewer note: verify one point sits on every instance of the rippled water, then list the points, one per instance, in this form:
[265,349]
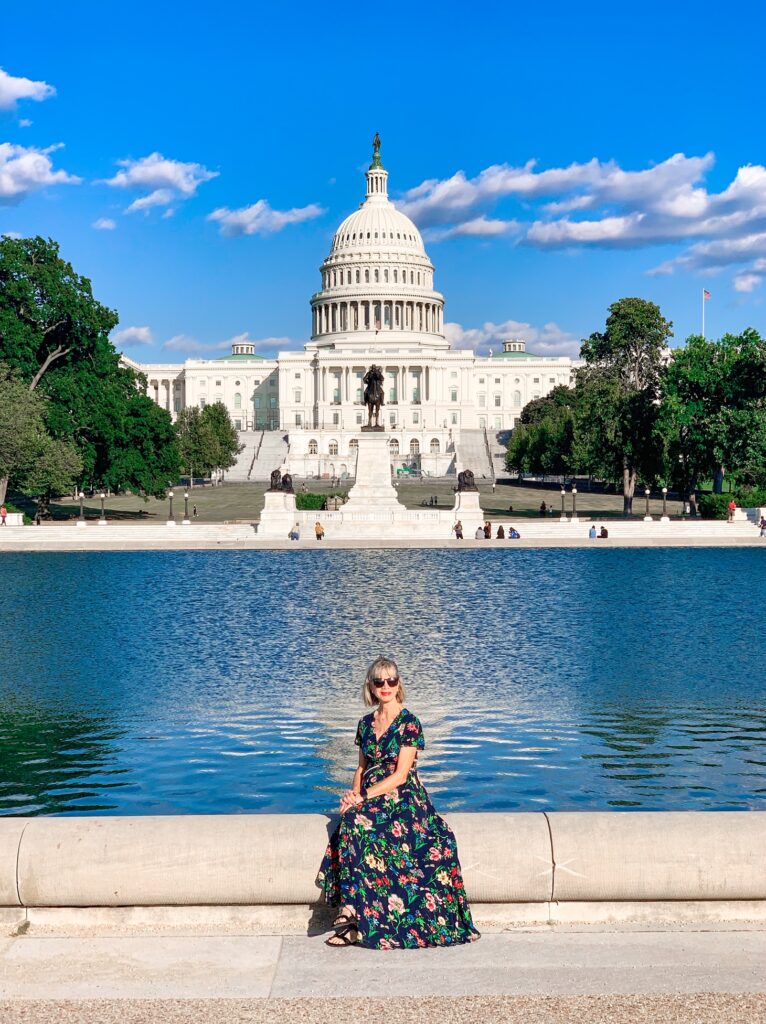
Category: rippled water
[228,681]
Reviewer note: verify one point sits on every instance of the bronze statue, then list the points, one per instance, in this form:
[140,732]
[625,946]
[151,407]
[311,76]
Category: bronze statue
[373,395]
[281,483]
[376,144]
[465,481]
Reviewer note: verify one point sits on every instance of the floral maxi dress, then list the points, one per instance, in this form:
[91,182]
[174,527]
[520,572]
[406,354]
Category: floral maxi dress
[394,859]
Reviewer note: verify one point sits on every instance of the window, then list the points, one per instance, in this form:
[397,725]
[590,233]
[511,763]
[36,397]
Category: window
[377,275]
[257,402]
[272,382]
[481,380]
[551,380]
[358,418]
[385,276]
[237,424]
[517,398]
[392,419]
[453,375]
[238,401]
[434,446]
[273,402]
[357,277]
[416,417]
[297,396]
[396,278]
[218,383]
[454,419]
[298,421]
[333,448]
[336,419]
[313,447]
[453,394]
[366,277]
[256,383]
[353,444]
[498,422]
[535,380]
[202,402]
[393,446]
[498,401]
[497,380]
[236,383]
[414,446]
[482,422]
[482,401]
[297,376]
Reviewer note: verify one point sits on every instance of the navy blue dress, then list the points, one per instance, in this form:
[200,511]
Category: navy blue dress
[394,859]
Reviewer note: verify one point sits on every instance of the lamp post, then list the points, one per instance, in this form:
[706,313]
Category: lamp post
[185,521]
[575,517]
[665,517]
[102,520]
[647,517]
[81,519]
[563,518]
[171,520]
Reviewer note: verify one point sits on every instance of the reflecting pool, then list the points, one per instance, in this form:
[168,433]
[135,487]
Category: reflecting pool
[227,681]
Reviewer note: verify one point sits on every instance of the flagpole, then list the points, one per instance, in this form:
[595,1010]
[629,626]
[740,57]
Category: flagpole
[703,314]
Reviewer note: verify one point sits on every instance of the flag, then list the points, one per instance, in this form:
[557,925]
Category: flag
[705,293]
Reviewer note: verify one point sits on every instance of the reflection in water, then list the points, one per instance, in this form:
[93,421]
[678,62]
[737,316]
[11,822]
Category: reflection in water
[229,681]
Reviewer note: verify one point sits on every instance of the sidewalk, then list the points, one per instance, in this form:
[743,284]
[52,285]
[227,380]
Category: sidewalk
[530,976]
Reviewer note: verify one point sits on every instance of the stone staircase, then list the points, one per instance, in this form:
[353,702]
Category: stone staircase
[498,449]
[271,455]
[472,454]
[240,471]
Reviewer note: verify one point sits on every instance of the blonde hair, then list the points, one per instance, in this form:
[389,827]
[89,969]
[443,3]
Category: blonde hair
[369,696]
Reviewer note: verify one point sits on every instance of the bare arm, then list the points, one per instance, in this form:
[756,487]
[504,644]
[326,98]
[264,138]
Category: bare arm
[352,796]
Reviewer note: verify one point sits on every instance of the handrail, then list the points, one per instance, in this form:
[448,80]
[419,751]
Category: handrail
[255,457]
[489,455]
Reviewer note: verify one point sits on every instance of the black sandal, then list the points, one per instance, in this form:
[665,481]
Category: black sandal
[343,936]
[344,918]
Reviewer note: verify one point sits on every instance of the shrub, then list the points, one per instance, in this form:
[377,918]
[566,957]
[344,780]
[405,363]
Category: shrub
[714,506]
[309,502]
[13,508]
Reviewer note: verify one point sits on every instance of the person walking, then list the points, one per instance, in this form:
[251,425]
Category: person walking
[762,526]
[318,530]
[194,512]
[732,509]
[458,530]
[295,533]
[392,865]
[3,515]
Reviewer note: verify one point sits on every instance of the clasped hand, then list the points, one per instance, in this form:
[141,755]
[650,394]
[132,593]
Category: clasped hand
[351,798]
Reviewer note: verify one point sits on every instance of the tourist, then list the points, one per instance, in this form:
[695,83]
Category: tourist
[458,528]
[603,533]
[318,530]
[3,515]
[391,865]
[592,531]
[436,499]
[194,512]
[295,533]
[510,508]
[762,525]
[479,535]
[488,530]
[543,508]
[732,509]
[304,488]
[514,533]
[500,532]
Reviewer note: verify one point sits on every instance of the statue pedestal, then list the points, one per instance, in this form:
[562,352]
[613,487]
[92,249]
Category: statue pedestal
[278,516]
[468,510]
[373,490]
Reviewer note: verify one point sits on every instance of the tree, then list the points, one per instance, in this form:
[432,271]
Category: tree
[543,442]
[197,443]
[55,335]
[618,391]
[226,446]
[713,414]
[31,461]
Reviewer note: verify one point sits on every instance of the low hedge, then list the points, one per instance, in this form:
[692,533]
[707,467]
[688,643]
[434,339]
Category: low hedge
[716,506]
[314,502]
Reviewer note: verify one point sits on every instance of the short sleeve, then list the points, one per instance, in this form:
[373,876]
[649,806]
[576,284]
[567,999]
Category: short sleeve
[412,736]
[358,737]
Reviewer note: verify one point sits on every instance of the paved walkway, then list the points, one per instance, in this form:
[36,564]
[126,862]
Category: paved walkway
[527,976]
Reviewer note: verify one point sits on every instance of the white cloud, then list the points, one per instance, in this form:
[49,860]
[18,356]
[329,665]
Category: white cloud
[104,224]
[25,169]
[260,218]
[132,336]
[14,89]
[24,122]
[162,180]
[478,227]
[185,343]
[12,234]
[548,340]
[748,280]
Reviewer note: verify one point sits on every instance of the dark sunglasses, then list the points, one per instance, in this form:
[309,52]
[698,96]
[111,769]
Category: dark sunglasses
[382,682]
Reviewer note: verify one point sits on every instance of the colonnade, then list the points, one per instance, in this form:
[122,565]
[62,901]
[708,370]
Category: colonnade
[377,315]
[340,384]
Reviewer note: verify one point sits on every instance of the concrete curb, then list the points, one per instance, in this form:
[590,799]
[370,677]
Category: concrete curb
[532,867]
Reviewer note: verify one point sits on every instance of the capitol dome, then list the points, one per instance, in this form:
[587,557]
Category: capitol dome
[378,278]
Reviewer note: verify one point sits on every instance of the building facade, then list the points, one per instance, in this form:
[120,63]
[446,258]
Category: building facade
[376,304]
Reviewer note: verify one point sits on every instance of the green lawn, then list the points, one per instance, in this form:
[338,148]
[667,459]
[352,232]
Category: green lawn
[245,501]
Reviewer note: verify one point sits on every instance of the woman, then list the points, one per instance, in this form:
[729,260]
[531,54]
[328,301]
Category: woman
[392,862]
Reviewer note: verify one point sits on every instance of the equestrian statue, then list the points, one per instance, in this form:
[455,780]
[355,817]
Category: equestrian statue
[373,396]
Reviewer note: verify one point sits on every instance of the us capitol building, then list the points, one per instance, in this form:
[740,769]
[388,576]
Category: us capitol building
[377,304]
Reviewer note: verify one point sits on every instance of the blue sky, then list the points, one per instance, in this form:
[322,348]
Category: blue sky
[555,159]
